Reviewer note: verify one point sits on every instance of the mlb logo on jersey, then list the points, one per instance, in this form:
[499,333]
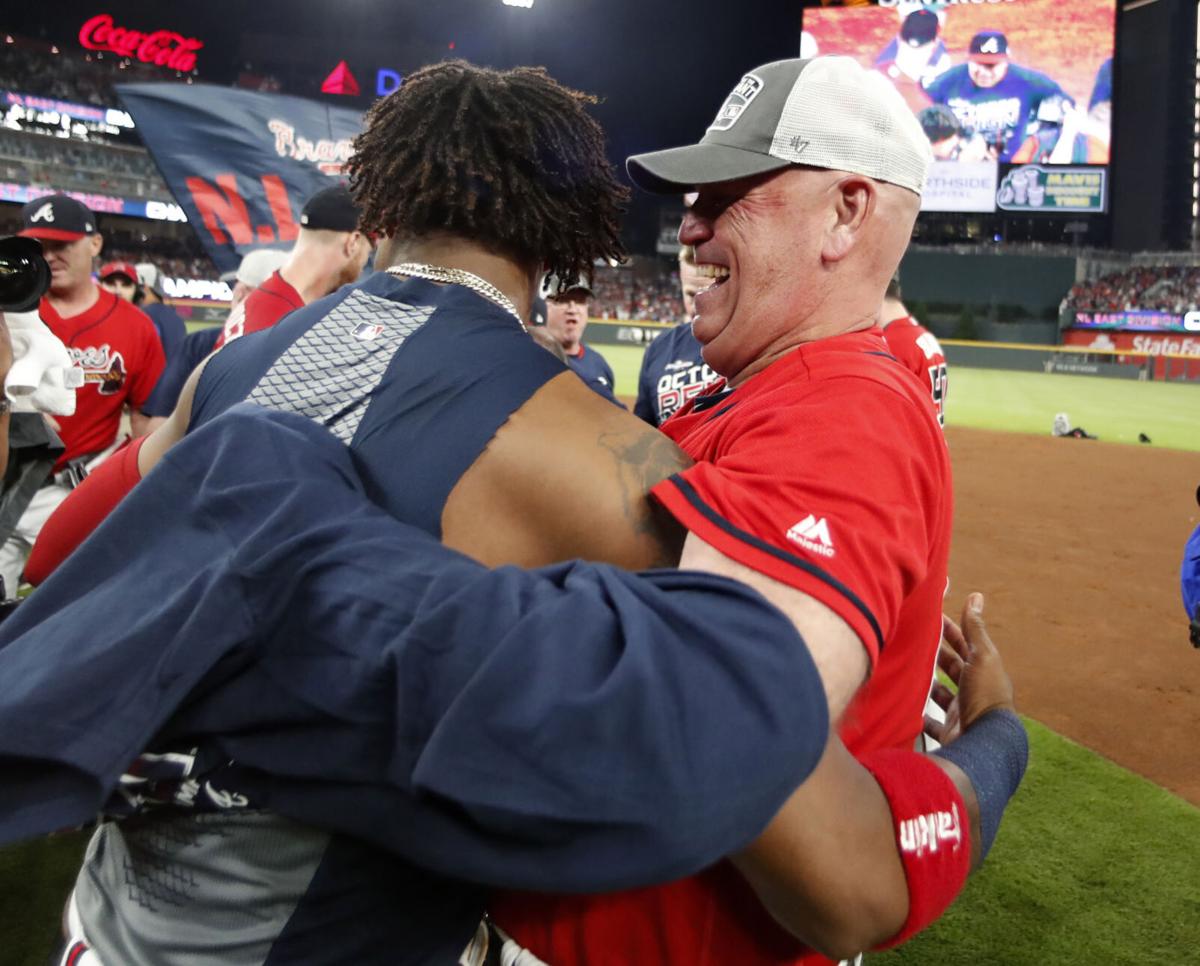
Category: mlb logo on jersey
[812,533]
[368,331]
[736,103]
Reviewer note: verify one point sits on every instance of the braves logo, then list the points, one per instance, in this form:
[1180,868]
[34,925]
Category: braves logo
[44,213]
[101,366]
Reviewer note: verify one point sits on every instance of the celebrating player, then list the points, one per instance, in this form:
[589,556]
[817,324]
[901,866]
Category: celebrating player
[673,370]
[566,321]
[993,97]
[915,346]
[459,424]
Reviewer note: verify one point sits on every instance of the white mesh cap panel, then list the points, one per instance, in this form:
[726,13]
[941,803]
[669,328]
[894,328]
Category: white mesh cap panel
[846,118]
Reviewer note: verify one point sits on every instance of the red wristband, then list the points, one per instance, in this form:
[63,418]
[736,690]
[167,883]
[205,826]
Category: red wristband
[83,510]
[932,834]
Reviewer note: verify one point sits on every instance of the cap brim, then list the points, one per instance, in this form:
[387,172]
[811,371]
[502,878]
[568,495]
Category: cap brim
[988,59]
[52,234]
[679,170]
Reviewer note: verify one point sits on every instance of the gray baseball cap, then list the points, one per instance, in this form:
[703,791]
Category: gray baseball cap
[827,112]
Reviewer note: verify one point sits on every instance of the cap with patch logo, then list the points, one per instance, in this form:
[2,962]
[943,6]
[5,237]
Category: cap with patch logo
[555,288]
[989,47]
[57,218]
[330,209]
[827,112]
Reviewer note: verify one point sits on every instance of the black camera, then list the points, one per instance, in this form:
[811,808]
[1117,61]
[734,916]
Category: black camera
[24,274]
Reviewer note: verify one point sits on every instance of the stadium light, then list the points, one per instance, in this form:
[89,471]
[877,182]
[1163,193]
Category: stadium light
[527,4]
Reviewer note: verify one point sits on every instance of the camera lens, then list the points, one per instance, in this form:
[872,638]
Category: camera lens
[24,274]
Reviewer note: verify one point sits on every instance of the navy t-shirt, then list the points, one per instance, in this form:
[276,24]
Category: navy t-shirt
[171,330]
[999,114]
[367,362]
[672,373]
[595,371]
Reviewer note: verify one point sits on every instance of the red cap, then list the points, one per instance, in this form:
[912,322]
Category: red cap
[119,268]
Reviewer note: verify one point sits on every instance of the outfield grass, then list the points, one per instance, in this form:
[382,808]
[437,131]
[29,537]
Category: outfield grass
[1113,409]
[1025,402]
[1094,866]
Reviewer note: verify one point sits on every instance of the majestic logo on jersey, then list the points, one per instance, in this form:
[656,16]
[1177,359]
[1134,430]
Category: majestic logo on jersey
[102,366]
[367,331]
[930,833]
[44,213]
[736,103]
[812,533]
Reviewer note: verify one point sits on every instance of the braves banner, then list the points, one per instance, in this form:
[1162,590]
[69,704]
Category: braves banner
[241,164]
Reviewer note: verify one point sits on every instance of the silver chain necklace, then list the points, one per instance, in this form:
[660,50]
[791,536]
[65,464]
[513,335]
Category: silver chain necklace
[459,276]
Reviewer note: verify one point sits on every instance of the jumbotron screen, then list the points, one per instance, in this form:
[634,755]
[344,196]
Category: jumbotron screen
[1014,95]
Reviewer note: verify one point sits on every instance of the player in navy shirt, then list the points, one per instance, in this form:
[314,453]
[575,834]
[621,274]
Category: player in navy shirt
[993,97]
[672,369]
[566,321]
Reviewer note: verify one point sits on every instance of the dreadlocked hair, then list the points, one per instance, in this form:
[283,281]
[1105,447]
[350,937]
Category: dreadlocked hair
[507,158]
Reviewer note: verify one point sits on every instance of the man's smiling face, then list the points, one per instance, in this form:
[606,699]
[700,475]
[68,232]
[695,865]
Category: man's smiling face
[759,239]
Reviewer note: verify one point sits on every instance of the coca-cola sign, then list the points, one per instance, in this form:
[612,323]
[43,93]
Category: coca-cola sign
[165,48]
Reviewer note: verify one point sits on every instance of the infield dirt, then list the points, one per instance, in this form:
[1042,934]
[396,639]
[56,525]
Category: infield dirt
[1076,545]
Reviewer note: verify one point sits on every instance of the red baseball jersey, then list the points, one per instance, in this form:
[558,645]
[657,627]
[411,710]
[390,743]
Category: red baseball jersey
[118,348]
[261,309]
[919,350]
[827,472]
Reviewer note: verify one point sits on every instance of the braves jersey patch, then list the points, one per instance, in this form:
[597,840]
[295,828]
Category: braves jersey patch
[101,365]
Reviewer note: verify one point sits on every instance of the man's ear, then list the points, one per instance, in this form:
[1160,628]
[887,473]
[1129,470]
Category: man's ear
[97,243]
[854,203]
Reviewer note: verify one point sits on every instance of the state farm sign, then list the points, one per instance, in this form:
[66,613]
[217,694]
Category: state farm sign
[164,48]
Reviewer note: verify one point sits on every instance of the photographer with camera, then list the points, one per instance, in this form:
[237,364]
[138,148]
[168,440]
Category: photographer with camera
[38,377]
[114,345]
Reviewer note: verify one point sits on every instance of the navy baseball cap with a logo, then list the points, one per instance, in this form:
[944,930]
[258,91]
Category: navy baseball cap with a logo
[330,209]
[827,112]
[989,47]
[57,218]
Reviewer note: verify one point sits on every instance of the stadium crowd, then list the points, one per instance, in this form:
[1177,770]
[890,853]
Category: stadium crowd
[57,164]
[645,295]
[69,75]
[1161,288]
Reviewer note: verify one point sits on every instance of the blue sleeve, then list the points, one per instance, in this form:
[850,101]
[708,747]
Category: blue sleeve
[1044,86]
[576,727]
[193,350]
[643,407]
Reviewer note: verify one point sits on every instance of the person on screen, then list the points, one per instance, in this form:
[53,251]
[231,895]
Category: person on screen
[916,55]
[947,138]
[993,97]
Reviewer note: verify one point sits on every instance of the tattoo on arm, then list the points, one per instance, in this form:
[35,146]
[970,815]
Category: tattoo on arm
[643,457]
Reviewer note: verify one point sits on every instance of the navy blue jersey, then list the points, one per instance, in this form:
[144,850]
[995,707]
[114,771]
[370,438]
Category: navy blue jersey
[381,717]
[595,371]
[171,330]
[196,346]
[370,363]
[1000,114]
[672,373]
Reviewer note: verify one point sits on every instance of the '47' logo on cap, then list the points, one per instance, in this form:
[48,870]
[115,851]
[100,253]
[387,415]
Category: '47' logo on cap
[736,103]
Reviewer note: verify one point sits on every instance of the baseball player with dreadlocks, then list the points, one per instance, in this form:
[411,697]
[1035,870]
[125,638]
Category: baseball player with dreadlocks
[459,425]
